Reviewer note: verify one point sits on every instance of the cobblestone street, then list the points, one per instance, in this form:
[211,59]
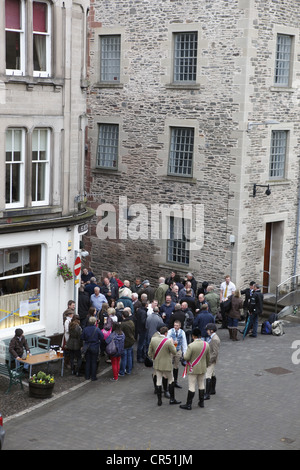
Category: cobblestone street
[256,407]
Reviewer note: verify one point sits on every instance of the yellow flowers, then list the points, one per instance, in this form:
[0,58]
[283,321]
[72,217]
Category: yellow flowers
[42,378]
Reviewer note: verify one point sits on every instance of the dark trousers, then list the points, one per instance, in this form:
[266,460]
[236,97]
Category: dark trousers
[91,364]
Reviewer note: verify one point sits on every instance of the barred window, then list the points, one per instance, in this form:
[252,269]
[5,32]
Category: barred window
[181,151]
[283,60]
[178,242]
[278,154]
[185,57]
[108,146]
[110,58]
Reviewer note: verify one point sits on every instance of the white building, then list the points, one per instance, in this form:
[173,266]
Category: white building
[42,150]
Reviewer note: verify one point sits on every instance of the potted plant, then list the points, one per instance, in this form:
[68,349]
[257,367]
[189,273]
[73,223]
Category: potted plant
[41,385]
[64,271]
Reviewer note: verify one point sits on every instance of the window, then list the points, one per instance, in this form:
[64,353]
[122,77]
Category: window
[20,280]
[17,30]
[110,58]
[278,154]
[41,39]
[14,164]
[15,36]
[178,245]
[108,146]
[40,166]
[283,60]
[185,57]
[181,151]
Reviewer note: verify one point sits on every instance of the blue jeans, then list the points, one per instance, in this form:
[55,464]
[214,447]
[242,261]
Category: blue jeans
[253,324]
[233,322]
[126,361]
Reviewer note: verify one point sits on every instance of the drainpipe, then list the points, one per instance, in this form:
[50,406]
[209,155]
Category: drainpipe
[297,228]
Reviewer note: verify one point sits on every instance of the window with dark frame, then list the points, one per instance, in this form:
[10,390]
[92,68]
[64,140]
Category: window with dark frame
[278,154]
[181,151]
[178,242]
[185,57]
[283,60]
[108,146]
[110,55]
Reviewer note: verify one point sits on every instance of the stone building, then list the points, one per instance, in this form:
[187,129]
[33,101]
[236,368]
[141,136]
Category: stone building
[43,47]
[193,103]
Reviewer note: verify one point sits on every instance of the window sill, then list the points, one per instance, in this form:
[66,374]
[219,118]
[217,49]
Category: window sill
[31,81]
[282,89]
[31,211]
[179,179]
[183,86]
[106,171]
[277,182]
[108,85]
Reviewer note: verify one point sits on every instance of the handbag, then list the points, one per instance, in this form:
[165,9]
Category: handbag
[148,361]
[111,348]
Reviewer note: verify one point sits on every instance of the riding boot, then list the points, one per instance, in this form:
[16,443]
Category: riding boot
[234,335]
[175,375]
[207,391]
[213,385]
[173,401]
[230,333]
[154,378]
[165,387]
[158,392]
[201,398]
[188,405]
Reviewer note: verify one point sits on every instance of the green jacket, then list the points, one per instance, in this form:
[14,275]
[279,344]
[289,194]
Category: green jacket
[163,360]
[213,300]
[193,351]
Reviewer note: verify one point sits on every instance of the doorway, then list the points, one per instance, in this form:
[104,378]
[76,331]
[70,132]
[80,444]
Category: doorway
[273,256]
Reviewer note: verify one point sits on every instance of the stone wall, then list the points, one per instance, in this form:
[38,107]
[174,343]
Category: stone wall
[236,47]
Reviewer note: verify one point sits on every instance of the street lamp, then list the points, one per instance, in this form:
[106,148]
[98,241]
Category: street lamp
[268,190]
[268,122]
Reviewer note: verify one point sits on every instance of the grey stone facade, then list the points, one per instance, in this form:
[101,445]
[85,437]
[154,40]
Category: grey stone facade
[234,85]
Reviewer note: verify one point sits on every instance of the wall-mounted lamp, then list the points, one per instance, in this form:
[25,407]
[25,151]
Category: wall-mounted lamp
[268,122]
[268,190]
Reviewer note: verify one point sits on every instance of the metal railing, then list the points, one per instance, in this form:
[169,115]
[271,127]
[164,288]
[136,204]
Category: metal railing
[288,292]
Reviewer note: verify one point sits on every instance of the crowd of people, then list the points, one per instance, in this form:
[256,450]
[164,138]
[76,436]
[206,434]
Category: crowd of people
[171,323]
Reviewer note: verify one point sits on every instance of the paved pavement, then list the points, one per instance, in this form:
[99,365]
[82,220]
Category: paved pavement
[256,407]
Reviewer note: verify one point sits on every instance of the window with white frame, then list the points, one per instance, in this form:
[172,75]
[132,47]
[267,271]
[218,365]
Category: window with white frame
[40,166]
[181,151]
[14,164]
[178,242]
[283,60]
[41,38]
[278,154]
[185,57]
[108,146]
[15,36]
[20,283]
[110,56]
[17,32]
